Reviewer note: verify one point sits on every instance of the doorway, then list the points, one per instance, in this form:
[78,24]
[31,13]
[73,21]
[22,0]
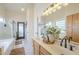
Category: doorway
[20,30]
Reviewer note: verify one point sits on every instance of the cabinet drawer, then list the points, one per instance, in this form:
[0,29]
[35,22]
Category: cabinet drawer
[43,51]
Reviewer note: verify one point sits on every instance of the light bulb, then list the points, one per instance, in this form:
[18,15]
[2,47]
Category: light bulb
[59,7]
[50,12]
[47,14]
[54,10]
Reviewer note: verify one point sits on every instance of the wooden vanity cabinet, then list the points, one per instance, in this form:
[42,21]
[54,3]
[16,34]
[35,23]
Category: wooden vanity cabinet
[69,25]
[41,48]
[76,27]
[35,48]
[43,51]
[38,49]
[0,51]
[72,27]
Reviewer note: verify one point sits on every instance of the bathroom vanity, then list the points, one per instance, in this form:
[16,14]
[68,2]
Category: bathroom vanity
[41,48]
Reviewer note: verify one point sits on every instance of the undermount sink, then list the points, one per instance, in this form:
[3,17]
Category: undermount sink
[75,46]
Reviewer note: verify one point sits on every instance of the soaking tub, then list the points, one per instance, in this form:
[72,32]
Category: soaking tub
[6,45]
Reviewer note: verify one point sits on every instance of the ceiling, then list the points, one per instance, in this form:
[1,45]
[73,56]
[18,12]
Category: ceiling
[16,6]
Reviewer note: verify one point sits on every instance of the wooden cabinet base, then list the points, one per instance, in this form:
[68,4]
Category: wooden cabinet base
[38,49]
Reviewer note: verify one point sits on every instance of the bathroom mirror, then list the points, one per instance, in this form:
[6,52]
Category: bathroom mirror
[59,18]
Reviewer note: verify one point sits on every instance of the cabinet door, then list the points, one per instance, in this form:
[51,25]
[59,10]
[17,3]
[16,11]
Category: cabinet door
[43,51]
[69,26]
[35,48]
[76,27]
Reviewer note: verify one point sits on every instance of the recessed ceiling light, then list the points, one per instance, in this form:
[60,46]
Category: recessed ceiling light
[22,9]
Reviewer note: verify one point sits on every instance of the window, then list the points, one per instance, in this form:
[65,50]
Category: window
[1,20]
[61,24]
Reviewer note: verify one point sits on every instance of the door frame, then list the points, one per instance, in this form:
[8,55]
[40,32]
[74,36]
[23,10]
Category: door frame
[23,30]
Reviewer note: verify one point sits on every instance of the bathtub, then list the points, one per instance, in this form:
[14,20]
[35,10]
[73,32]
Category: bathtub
[6,46]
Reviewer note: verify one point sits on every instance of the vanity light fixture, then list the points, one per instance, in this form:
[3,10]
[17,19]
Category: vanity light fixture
[53,7]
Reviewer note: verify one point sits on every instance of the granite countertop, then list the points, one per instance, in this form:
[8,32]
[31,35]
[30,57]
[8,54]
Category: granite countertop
[54,49]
